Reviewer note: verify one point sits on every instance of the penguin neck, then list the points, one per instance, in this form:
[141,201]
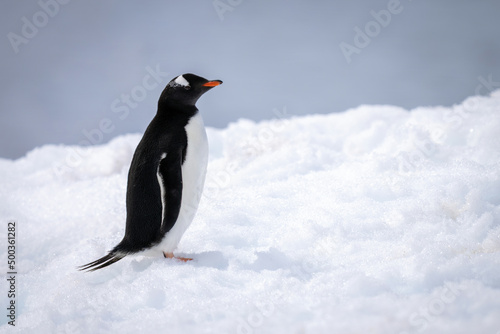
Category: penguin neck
[176,110]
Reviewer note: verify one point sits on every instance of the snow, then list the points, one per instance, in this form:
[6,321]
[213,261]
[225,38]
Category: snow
[180,80]
[374,220]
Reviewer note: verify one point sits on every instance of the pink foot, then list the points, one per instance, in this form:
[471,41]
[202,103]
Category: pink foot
[172,256]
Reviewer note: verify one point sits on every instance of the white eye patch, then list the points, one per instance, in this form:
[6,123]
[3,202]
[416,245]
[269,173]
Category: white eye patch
[181,81]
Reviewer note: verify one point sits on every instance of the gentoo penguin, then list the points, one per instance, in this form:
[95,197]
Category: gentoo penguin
[167,173]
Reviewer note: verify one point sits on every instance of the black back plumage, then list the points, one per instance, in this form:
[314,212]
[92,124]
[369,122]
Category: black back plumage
[165,135]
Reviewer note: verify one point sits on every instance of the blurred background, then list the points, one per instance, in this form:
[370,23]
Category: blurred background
[79,72]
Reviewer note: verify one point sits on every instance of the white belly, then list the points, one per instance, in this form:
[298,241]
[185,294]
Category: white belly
[193,178]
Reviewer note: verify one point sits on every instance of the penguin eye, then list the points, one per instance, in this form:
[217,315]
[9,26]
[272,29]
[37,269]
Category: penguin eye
[187,87]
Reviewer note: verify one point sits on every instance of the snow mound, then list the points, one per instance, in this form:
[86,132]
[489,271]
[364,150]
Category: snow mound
[374,220]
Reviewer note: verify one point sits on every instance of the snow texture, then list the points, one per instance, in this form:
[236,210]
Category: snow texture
[374,220]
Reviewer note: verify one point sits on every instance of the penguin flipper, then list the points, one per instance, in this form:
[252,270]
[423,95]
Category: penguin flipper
[102,262]
[170,181]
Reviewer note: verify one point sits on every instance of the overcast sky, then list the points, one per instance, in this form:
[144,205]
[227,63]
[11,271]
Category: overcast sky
[70,67]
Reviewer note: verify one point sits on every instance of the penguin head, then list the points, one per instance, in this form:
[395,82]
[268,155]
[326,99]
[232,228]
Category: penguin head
[186,89]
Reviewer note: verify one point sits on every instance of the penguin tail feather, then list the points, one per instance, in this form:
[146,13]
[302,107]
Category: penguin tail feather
[104,261]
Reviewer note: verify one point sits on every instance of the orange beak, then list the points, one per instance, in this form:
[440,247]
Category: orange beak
[212,83]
